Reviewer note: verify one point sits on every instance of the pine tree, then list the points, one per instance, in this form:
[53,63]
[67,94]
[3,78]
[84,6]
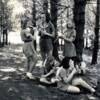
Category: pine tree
[97,31]
[79,19]
[4,21]
[53,10]
[34,13]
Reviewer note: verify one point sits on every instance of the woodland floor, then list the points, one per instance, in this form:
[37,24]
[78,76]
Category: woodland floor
[14,86]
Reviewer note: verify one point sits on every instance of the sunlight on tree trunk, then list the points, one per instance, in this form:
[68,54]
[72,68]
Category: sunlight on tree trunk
[96,41]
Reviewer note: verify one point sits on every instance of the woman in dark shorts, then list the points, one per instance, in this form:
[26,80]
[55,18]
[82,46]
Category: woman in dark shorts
[47,33]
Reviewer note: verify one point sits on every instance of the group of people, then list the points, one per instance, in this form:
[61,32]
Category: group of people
[67,72]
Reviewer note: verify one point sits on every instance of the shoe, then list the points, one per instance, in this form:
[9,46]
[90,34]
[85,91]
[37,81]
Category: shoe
[92,90]
[91,97]
[43,80]
[30,76]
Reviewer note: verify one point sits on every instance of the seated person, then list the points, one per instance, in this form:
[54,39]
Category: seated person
[50,69]
[69,81]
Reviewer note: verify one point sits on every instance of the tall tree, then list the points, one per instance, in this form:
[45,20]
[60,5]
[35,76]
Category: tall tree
[96,41]
[34,13]
[4,21]
[53,10]
[79,19]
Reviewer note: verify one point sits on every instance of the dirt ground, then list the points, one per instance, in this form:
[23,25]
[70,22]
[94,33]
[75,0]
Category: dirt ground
[14,86]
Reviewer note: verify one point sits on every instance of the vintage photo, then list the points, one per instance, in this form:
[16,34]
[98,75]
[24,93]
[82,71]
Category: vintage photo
[49,49]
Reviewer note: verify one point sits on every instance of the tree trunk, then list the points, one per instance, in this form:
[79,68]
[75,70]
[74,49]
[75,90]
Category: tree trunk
[34,19]
[34,13]
[96,41]
[53,10]
[79,19]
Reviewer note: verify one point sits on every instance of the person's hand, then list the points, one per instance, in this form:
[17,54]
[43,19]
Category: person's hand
[61,36]
[28,35]
[42,76]
[78,69]
[74,70]
[43,32]
[83,67]
[53,80]
[61,57]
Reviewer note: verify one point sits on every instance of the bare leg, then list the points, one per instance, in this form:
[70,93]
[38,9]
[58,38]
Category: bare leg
[71,89]
[44,80]
[43,54]
[81,82]
[44,57]
[32,64]
[27,65]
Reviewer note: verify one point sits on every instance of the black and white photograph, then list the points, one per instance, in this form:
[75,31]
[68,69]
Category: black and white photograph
[49,49]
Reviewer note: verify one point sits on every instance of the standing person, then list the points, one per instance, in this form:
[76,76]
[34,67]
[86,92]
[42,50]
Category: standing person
[69,47]
[47,33]
[29,51]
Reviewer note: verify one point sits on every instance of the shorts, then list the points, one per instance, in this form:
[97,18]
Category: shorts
[28,49]
[46,45]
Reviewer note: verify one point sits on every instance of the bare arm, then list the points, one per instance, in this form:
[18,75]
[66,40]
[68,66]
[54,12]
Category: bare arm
[69,78]
[33,48]
[48,74]
[69,39]
[48,34]
[53,30]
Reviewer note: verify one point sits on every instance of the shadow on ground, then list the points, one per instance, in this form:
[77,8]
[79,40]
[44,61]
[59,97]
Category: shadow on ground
[14,86]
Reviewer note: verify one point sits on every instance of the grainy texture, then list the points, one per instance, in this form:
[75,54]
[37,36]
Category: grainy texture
[13,86]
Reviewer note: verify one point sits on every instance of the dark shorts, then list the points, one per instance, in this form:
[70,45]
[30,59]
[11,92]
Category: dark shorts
[46,45]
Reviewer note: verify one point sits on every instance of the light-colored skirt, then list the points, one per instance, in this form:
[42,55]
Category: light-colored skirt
[69,49]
